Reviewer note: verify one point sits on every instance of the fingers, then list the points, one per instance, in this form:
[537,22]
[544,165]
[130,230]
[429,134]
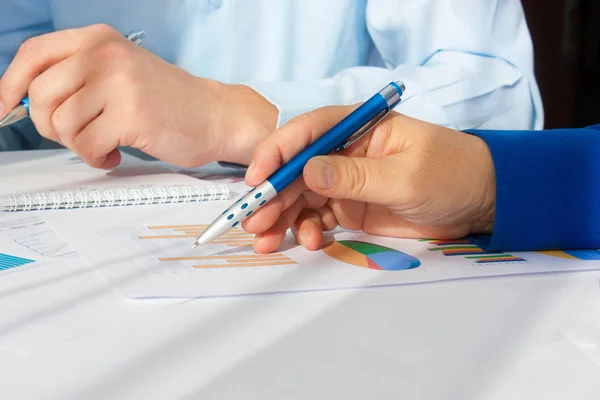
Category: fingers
[308,229]
[97,144]
[349,214]
[272,238]
[307,226]
[38,54]
[49,90]
[290,139]
[310,225]
[372,180]
[266,216]
[77,112]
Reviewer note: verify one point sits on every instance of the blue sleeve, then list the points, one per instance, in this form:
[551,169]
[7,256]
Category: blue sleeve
[20,20]
[547,189]
[474,69]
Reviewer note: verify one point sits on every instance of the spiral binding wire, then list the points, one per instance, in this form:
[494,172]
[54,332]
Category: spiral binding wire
[113,197]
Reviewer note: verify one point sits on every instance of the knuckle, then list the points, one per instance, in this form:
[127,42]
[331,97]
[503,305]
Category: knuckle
[61,124]
[57,121]
[43,128]
[37,92]
[28,47]
[354,176]
[102,29]
[122,79]
[302,138]
[301,119]
[114,51]
[138,114]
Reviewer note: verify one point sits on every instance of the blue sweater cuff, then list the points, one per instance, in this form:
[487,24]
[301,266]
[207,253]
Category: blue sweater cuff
[547,189]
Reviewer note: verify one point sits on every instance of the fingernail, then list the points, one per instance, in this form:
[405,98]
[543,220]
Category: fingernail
[321,174]
[1,109]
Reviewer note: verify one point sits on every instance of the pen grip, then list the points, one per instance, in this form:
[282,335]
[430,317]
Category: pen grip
[331,140]
[25,103]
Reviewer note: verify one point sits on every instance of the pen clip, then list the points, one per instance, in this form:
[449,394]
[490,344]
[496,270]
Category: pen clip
[364,130]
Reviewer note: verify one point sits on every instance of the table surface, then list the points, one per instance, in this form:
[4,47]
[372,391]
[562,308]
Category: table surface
[530,337]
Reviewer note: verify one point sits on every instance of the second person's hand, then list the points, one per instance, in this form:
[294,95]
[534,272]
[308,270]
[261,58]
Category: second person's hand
[407,178]
[92,90]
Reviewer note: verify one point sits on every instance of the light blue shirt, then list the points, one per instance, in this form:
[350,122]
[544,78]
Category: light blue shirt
[466,64]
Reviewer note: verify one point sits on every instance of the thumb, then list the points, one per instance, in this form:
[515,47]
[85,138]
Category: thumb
[371,180]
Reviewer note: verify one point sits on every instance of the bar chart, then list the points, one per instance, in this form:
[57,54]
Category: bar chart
[8,261]
[46,243]
[230,261]
[167,248]
[470,251]
[233,238]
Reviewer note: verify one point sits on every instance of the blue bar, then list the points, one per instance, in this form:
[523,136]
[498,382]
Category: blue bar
[11,261]
[9,257]
[8,261]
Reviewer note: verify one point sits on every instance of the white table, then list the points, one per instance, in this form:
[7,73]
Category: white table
[535,337]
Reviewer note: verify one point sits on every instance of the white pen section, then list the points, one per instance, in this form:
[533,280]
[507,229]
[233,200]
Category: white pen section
[237,212]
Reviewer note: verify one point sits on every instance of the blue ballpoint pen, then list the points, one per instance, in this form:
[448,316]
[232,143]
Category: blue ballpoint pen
[22,110]
[346,132]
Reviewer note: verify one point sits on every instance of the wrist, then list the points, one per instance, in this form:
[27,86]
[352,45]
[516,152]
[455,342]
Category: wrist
[250,118]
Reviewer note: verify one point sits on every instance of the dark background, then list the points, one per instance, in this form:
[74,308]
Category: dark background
[566,40]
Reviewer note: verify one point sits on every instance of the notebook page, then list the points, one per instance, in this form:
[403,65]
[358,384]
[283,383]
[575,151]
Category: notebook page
[52,170]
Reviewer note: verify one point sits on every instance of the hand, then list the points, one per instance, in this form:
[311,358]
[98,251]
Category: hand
[407,178]
[92,90]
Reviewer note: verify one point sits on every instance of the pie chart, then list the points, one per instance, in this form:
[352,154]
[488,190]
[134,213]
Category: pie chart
[370,255]
[584,255]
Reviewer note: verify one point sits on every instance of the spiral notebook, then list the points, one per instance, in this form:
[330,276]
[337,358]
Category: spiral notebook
[60,180]
[132,196]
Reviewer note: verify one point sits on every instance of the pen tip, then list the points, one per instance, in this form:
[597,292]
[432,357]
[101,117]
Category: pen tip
[195,245]
[401,85]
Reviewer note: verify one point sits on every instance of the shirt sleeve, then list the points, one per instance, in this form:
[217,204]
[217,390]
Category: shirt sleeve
[20,20]
[547,189]
[466,64]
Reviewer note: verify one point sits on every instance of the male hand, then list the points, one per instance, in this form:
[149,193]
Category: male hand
[92,90]
[407,178]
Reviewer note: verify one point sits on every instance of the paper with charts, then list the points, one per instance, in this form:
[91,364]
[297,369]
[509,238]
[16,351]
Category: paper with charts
[47,293]
[146,255]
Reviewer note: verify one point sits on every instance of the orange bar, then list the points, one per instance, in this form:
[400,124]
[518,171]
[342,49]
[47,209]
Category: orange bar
[224,257]
[167,237]
[249,260]
[460,251]
[258,261]
[178,226]
[232,241]
[233,236]
[231,232]
[265,264]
